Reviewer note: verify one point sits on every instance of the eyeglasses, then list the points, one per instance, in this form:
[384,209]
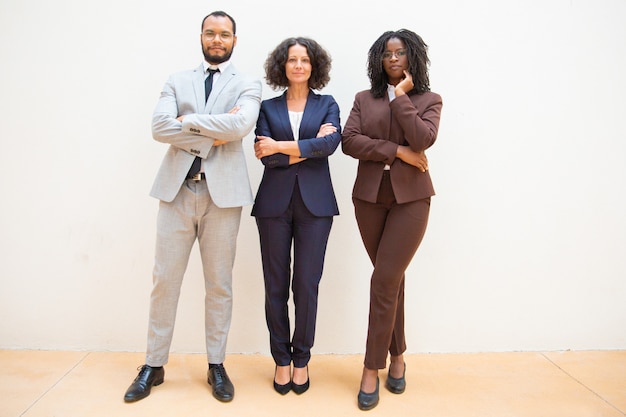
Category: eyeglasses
[398,54]
[210,35]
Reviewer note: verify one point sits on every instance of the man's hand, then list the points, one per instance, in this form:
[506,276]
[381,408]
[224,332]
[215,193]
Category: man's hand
[217,141]
[222,142]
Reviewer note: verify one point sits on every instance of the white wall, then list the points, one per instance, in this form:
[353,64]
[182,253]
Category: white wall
[526,245]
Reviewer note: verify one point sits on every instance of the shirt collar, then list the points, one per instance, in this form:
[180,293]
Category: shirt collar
[221,66]
[391,92]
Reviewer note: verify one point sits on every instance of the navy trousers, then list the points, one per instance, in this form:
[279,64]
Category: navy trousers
[309,236]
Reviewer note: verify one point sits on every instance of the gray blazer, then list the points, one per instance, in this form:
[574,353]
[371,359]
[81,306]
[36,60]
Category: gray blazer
[225,165]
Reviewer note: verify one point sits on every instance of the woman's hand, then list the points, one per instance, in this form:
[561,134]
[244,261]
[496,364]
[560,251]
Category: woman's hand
[405,85]
[417,159]
[326,129]
[265,146]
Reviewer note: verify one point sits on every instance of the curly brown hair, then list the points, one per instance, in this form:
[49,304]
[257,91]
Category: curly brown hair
[277,59]
[417,53]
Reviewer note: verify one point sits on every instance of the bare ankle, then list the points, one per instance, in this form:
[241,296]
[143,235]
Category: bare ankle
[300,375]
[368,380]
[396,368]
[283,374]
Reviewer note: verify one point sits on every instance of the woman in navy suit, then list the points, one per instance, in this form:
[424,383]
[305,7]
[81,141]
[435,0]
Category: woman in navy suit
[295,203]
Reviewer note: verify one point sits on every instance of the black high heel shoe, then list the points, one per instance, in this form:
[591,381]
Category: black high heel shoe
[281,389]
[368,401]
[301,389]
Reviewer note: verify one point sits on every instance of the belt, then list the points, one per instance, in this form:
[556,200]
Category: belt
[198,177]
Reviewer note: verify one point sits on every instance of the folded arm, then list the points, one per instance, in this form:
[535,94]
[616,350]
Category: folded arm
[275,153]
[420,132]
[196,133]
[419,127]
[360,145]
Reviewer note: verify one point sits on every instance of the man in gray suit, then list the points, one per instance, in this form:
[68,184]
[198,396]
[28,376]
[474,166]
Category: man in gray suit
[203,114]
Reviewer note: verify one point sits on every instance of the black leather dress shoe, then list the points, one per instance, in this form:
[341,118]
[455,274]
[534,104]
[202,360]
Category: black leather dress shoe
[141,386]
[396,385]
[218,379]
[368,401]
[302,388]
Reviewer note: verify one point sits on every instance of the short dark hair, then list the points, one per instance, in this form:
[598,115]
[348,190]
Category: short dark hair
[219,13]
[417,54]
[320,64]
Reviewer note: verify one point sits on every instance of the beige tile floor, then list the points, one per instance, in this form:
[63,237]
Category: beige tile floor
[91,384]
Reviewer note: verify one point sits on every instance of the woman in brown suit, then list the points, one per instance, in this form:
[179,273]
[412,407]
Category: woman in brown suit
[388,130]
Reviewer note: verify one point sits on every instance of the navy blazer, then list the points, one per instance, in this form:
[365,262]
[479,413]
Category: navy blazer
[313,174]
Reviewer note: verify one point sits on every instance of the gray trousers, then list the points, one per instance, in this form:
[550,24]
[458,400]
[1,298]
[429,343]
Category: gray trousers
[192,215]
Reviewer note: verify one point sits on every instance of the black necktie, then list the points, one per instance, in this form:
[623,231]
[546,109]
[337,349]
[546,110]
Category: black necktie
[208,86]
[208,83]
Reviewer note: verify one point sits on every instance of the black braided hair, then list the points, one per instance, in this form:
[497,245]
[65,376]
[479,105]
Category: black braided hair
[417,54]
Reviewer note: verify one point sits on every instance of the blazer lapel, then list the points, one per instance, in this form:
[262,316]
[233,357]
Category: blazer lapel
[219,84]
[310,110]
[198,87]
[283,116]
[394,131]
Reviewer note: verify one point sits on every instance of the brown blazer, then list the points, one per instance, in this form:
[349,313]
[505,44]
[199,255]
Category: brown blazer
[372,134]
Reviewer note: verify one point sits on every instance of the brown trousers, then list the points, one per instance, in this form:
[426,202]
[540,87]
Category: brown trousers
[391,234]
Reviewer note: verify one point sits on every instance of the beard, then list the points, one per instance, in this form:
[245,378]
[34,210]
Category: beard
[216,59]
